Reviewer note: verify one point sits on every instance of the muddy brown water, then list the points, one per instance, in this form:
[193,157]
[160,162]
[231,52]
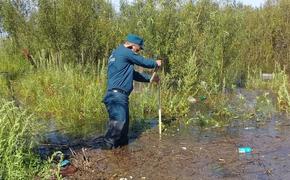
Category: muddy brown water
[189,152]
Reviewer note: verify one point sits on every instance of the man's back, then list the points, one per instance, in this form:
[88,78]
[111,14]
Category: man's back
[121,68]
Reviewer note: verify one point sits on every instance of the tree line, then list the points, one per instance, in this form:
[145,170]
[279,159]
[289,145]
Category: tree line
[216,41]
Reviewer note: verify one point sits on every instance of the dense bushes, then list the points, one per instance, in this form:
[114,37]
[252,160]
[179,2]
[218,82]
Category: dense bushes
[225,36]
[218,43]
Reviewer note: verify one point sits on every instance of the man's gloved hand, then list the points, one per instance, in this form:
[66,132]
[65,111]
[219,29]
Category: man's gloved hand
[155,77]
[159,62]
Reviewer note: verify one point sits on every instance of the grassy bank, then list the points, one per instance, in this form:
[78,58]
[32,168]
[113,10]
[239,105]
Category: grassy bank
[16,133]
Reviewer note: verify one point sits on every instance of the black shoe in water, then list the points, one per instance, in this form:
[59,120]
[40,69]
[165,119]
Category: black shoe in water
[96,143]
[123,142]
[100,143]
[107,145]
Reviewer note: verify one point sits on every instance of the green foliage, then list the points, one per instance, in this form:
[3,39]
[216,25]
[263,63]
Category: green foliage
[73,27]
[12,65]
[207,45]
[70,95]
[17,160]
[264,104]
[4,90]
[10,62]
[225,37]
[283,93]
[278,85]
[215,112]
[144,105]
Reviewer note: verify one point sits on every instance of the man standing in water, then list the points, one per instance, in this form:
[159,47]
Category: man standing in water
[121,74]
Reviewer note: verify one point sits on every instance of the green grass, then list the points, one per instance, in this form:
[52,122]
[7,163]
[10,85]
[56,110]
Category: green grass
[279,85]
[4,90]
[12,63]
[17,160]
[71,96]
[11,66]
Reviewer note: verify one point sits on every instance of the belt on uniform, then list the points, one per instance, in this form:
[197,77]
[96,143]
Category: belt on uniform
[119,90]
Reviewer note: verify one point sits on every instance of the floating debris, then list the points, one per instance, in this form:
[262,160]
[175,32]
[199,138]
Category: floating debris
[64,163]
[267,76]
[195,100]
[202,98]
[191,99]
[249,128]
[245,149]
[184,148]
[69,170]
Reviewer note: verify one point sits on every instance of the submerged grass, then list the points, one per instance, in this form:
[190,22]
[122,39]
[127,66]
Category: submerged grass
[279,85]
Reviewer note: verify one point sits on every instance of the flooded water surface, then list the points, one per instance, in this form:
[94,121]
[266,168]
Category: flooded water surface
[189,152]
[208,154]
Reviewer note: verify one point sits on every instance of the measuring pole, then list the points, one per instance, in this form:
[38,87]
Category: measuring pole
[159,100]
[159,107]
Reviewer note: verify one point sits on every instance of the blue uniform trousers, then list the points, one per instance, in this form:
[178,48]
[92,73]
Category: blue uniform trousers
[117,105]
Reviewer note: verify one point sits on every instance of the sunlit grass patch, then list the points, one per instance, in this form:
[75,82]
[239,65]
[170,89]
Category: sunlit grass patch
[17,160]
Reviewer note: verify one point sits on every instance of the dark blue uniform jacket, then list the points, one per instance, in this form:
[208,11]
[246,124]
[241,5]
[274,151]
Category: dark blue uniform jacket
[121,71]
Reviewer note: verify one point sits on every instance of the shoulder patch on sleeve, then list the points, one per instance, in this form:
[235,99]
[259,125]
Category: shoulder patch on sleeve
[112,58]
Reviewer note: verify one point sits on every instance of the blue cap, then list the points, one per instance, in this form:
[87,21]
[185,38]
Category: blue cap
[132,38]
